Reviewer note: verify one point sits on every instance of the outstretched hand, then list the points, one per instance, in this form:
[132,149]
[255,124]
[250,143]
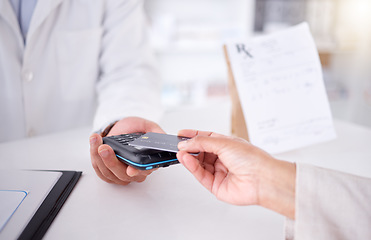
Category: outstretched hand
[237,172]
[225,166]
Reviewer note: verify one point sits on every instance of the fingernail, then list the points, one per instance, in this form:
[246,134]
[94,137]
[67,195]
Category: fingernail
[132,174]
[182,145]
[104,153]
[92,140]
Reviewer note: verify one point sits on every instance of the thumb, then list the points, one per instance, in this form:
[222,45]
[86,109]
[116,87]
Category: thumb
[203,144]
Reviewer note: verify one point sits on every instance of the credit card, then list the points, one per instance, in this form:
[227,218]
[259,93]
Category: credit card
[158,141]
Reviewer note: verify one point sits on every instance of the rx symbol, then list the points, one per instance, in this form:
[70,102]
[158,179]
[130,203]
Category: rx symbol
[241,49]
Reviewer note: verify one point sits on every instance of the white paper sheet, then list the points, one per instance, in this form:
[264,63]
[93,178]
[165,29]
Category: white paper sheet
[9,202]
[281,89]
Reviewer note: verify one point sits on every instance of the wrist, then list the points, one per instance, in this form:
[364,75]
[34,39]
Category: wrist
[277,187]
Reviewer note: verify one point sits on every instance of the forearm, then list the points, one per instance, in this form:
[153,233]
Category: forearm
[277,187]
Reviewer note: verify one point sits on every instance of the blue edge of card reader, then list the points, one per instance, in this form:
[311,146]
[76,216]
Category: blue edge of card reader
[147,166]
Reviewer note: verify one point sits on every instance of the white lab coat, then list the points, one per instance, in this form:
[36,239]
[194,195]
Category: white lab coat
[330,205]
[83,58]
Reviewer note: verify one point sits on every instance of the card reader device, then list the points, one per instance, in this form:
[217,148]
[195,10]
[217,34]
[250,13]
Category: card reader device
[140,158]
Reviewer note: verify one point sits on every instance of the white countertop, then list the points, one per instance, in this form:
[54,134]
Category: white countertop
[170,204]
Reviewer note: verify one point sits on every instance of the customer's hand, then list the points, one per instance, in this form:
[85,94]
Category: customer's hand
[237,172]
[104,160]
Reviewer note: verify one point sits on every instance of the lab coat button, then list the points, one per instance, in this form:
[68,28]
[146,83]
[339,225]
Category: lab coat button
[28,76]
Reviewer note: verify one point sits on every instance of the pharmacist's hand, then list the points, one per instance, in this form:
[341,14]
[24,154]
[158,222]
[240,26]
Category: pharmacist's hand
[104,160]
[239,173]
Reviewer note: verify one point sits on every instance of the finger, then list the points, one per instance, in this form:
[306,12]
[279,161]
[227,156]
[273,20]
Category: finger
[95,141]
[205,177]
[115,170]
[204,144]
[192,133]
[107,172]
[133,172]
[119,169]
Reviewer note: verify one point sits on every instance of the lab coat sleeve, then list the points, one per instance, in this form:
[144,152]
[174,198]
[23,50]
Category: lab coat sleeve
[330,205]
[129,83]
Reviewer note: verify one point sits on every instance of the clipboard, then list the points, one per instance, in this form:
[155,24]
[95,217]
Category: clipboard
[50,207]
[238,123]
[45,212]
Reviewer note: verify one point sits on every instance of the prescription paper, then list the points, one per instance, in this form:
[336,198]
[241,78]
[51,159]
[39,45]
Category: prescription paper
[281,89]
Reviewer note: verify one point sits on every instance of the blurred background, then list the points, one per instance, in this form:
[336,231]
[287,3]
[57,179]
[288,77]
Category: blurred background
[188,36]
